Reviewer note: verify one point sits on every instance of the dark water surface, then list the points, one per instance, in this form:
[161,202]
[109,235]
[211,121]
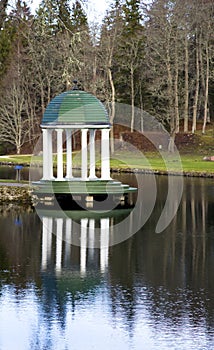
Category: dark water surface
[151,291]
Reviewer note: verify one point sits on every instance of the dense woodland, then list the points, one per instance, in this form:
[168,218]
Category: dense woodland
[158,57]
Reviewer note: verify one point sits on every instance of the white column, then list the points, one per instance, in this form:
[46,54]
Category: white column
[91,238]
[50,231]
[105,160]
[47,224]
[59,228]
[68,231]
[68,239]
[50,153]
[68,154]
[59,155]
[83,245]
[46,158]
[92,154]
[84,154]
[44,242]
[104,243]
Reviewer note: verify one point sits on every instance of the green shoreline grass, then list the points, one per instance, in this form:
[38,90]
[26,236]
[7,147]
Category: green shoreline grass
[127,161]
[14,181]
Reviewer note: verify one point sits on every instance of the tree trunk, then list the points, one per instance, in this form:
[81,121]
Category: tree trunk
[206,90]
[195,105]
[202,73]
[141,111]
[132,97]
[171,107]
[177,119]
[112,108]
[94,72]
[171,145]
[42,98]
[186,104]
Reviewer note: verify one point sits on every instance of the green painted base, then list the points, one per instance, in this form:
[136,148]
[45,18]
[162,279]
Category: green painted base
[80,187]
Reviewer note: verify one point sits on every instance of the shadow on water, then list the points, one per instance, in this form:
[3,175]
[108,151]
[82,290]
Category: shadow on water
[149,290]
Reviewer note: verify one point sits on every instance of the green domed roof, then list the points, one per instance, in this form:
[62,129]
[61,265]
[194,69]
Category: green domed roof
[75,107]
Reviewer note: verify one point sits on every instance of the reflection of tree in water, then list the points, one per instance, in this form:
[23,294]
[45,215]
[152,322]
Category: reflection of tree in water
[19,245]
[170,274]
[121,283]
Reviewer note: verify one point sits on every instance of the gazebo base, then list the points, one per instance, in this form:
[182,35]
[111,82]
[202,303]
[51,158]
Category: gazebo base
[79,194]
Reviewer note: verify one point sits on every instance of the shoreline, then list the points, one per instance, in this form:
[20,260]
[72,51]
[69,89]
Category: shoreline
[192,173]
[14,192]
[21,192]
[165,173]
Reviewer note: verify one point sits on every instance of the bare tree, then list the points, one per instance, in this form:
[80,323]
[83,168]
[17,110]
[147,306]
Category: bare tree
[206,51]
[14,125]
[110,36]
[163,62]
[197,77]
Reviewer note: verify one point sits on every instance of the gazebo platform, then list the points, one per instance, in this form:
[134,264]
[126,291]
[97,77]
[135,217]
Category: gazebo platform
[96,194]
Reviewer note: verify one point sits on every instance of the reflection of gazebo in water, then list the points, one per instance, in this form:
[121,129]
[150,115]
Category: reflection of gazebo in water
[75,255]
[70,111]
[89,233]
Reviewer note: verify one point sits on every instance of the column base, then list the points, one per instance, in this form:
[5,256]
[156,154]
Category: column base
[105,178]
[48,179]
[91,178]
[69,178]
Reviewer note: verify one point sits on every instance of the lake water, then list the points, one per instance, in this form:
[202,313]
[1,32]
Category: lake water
[70,281]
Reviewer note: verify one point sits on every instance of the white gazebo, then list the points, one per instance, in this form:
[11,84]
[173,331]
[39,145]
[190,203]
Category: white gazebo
[70,111]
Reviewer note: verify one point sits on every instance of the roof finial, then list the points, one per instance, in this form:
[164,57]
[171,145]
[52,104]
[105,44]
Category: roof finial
[75,87]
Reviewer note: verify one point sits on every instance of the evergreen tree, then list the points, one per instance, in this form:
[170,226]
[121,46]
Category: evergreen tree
[132,18]
[15,125]
[82,48]
[6,39]
[78,17]
[130,57]
[13,36]
[3,14]
[55,15]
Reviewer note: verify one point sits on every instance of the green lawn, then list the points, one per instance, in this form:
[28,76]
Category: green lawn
[17,159]
[196,164]
[128,160]
[154,161]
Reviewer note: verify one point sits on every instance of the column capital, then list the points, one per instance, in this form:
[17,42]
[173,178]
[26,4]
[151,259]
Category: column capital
[59,131]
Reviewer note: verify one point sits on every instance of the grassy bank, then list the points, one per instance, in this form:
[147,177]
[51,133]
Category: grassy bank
[188,164]
[127,161]
[22,182]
